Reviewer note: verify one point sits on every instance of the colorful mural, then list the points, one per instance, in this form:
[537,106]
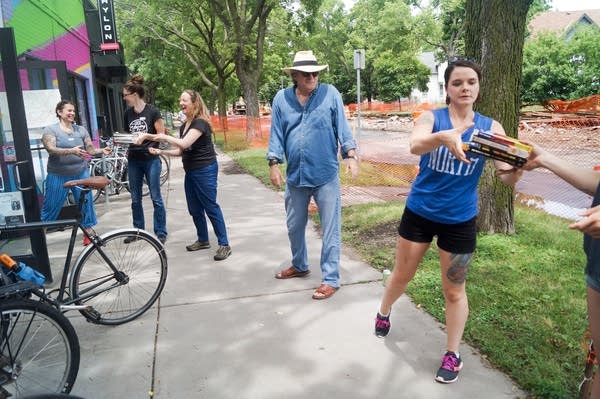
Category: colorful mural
[47,30]
[53,30]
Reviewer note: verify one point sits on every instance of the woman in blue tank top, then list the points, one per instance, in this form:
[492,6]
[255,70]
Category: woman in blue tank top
[443,203]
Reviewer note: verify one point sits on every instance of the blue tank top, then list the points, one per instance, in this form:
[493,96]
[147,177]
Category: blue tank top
[445,190]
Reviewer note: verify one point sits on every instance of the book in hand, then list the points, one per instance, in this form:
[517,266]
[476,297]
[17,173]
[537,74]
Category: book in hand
[495,146]
[124,138]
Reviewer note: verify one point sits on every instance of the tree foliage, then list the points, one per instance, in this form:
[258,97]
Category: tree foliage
[194,35]
[391,46]
[557,68]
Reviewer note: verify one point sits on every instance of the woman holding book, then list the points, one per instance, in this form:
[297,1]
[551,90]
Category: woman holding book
[443,203]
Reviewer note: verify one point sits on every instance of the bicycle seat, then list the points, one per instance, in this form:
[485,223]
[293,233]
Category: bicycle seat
[95,182]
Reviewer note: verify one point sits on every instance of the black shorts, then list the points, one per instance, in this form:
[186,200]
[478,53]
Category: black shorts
[459,238]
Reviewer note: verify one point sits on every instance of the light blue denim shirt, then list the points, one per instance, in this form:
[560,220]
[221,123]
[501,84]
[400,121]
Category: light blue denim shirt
[307,137]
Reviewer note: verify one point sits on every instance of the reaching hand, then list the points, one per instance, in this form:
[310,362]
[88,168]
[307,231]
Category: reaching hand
[453,141]
[535,159]
[590,223]
[143,137]
[79,151]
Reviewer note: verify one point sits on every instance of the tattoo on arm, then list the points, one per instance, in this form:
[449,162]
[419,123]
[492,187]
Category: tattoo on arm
[49,142]
[459,266]
[89,147]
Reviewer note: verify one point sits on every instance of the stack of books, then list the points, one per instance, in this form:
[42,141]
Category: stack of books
[496,146]
[124,138]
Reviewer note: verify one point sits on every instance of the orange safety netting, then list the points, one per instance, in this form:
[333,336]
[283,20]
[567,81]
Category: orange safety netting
[589,104]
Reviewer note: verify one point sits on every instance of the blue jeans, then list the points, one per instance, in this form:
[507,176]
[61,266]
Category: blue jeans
[201,194]
[150,169]
[55,195]
[328,200]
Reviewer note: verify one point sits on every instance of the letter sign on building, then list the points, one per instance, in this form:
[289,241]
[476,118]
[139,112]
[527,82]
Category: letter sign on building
[108,30]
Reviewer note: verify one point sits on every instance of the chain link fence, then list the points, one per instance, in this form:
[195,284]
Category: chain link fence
[388,168]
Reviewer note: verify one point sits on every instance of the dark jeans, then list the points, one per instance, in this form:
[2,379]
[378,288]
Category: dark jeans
[201,195]
[150,169]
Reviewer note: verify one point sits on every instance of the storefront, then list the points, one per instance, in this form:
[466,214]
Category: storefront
[51,50]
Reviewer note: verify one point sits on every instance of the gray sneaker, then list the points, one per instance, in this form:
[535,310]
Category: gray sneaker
[223,252]
[198,245]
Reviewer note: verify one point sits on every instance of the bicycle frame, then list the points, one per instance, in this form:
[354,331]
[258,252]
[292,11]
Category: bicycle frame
[96,242]
[94,284]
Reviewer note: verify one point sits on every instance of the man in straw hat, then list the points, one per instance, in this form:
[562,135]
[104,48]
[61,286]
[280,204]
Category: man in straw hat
[308,127]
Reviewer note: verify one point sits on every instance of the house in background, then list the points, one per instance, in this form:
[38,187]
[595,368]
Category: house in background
[563,22]
[436,93]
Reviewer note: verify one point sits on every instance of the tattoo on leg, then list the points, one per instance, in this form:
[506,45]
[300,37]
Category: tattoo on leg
[459,266]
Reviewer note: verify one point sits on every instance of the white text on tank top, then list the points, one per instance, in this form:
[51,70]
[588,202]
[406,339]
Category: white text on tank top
[442,161]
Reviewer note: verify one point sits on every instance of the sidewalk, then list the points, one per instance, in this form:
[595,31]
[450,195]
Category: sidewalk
[230,330]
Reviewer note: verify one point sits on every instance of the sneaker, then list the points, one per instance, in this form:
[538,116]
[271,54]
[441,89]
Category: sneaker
[223,252]
[86,241]
[382,325]
[162,239]
[451,365]
[130,239]
[198,245]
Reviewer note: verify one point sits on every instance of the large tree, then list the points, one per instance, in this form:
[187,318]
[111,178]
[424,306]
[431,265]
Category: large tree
[494,35]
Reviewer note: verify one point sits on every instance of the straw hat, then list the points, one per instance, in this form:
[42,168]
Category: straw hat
[305,61]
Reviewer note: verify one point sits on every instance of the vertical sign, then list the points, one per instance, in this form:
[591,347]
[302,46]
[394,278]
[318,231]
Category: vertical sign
[108,29]
[359,63]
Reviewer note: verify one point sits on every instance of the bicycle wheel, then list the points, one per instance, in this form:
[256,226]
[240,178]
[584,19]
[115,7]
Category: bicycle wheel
[39,349]
[120,297]
[165,168]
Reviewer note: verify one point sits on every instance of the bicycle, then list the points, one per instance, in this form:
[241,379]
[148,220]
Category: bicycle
[115,168]
[39,348]
[106,270]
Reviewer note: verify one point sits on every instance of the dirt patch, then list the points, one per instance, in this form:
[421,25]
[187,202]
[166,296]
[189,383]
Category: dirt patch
[231,167]
[382,236]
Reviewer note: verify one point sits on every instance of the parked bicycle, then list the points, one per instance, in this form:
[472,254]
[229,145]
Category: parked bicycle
[39,348]
[115,168]
[110,283]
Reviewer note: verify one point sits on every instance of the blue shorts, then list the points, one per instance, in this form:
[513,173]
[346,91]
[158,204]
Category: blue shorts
[591,247]
[459,238]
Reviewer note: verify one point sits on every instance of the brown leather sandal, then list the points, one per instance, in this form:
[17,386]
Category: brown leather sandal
[290,272]
[324,291]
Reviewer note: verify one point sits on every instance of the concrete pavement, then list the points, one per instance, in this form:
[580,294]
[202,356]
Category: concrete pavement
[230,330]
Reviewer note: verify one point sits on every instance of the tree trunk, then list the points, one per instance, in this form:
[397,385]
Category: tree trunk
[250,87]
[246,23]
[494,35]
